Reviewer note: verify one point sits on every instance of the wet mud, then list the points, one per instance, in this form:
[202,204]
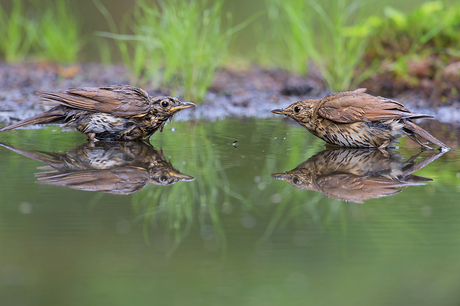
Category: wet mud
[249,92]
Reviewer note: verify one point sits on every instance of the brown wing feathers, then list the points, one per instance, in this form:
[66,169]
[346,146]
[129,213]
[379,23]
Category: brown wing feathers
[68,100]
[123,101]
[120,100]
[354,106]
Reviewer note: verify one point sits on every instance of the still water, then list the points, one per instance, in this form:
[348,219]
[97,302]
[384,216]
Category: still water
[225,213]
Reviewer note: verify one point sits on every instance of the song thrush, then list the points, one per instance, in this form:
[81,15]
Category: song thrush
[109,167]
[357,174]
[356,119]
[120,112]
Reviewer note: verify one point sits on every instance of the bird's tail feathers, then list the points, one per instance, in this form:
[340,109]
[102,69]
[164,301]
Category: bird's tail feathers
[31,154]
[418,131]
[54,115]
[420,116]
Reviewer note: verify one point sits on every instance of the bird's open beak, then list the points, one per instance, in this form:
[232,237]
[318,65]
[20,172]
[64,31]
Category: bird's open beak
[183,177]
[183,105]
[280,112]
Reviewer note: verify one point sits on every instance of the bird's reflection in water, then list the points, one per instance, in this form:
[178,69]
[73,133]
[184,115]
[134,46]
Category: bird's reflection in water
[357,174]
[110,167]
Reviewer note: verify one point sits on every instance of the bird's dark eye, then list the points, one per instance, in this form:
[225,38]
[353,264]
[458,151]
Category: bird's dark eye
[165,103]
[297,109]
[295,180]
[163,178]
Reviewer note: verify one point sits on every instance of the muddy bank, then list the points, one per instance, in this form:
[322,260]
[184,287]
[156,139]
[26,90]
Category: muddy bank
[252,92]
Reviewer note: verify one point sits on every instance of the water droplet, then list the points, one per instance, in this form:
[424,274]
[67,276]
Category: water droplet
[248,221]
[25,208]
[276,198]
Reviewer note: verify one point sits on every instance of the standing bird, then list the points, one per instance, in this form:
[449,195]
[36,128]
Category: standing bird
[356,119]
[120,112]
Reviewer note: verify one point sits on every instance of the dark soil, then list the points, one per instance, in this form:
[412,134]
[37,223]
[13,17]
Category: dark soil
[252,92]
[249,93]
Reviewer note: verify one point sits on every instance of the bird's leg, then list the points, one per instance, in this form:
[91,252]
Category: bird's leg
[90,144]
[384,145]
[415,138]
[413,158]
[384,152]
[133,133]
[91,136]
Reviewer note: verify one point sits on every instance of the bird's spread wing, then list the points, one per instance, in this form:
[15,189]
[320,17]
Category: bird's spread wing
[120,100]
[354,106]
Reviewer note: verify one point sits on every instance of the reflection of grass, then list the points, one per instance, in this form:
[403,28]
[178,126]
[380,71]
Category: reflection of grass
[50,138]
[283,205]
[177,206]
[183,209]
[293,205]
[17,32]
[182,39]
[318,31]
[311,210]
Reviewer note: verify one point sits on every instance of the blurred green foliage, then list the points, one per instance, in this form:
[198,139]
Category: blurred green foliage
[48,30]
[59,34]
[17,33]
[181,44]
[429,29]
[400,39]
[318,31]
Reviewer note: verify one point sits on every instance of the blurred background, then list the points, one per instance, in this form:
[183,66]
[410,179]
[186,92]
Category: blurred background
[260,223]
[346,43]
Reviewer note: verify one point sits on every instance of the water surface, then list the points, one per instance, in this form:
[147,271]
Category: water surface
[233,235]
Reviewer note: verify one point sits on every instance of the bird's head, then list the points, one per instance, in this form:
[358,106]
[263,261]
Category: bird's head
[166,107]
[168,176]
[296,179]
[301,111]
